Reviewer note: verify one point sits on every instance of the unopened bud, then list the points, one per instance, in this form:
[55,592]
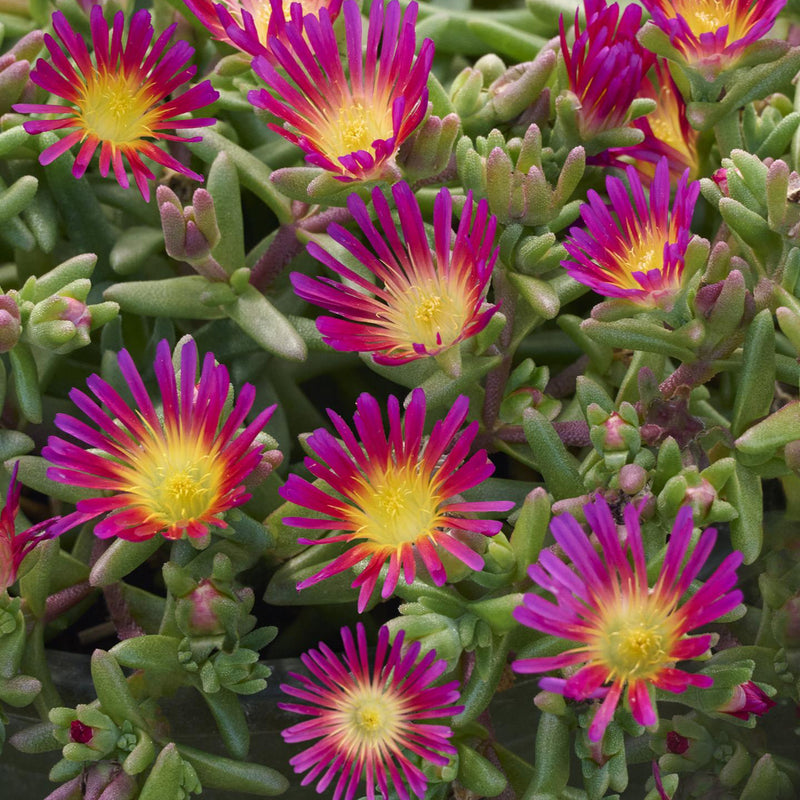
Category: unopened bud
[748,698]
[10,326]
[632,479]
[60,324]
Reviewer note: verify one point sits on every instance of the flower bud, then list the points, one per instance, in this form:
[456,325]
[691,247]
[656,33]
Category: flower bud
[60,323]
[632,479]
[10,325]
[748,698]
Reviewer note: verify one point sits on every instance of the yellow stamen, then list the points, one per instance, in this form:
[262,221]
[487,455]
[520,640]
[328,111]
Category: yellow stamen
[355,127]
[370,718]
[114,108]
[642,255]
[708,16]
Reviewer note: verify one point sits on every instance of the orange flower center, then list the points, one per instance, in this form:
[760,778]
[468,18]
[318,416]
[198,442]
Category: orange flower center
[396,505]
[635,639]
[114,108]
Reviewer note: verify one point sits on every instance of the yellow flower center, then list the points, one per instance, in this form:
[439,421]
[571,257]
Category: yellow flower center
[641,255]
[114,108]
[708,16]
[355,126]
[176,481]
[635,641]
[369,718]
[395,506]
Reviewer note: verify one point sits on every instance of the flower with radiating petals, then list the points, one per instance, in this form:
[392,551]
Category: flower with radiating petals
[168,471]
[710,33]
[667,133]
[605,64]
[368,720]
[116,96]
[15,546]
[348,121]
[629,635]
[748,698]
[394,496]
[640,254]
[430,298]
[248,24]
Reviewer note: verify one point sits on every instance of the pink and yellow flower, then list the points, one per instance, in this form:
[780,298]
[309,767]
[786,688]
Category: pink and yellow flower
[710,33]
[629,635]
[605,65]
[350,122]
[172,471]
[367,720]
[394,496]
[667,133]
[248,24]
[116,96]
[640,254]
[429,300]
[15,546]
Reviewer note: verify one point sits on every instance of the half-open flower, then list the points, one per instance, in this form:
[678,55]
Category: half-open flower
[429,298]
[628,635]
[348,121]
[605,65]
[15,546]
[713,34]
[638,253]
[394,496]
[169,470]
[248,24]
[368,721]
[116,96]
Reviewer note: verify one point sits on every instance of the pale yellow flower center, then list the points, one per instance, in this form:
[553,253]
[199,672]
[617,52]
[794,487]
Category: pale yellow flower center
[395,506]
[635,641]
[114,108]
[708,16]
[355,126]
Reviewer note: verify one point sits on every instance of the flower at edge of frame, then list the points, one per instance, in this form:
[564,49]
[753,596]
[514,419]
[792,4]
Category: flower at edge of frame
[628,634]
[365,719]
[351,126]
[394,497]
[640,255]
[429,301]
[115,96]
[170,474]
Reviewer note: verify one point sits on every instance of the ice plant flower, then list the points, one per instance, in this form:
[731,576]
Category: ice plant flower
[350,122]
[628,634]
[367,720]
[248,24]
[116,96]
[430,298]
[169,471]
[640,255]
[15,546]
[605,64]
[712,34]
[396,496]
[667,133]
[748,698]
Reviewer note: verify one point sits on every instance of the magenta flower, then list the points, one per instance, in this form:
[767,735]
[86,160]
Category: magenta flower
[429,300]
[348,121]
[115,96]
[15,546]
[367,720]
[395,496]
[170,472]
[640,254]
[628,635]
[748,698]
[605,65]
[248,24]
[713,34]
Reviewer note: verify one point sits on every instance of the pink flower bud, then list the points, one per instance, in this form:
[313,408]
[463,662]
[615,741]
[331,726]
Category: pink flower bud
[747,699]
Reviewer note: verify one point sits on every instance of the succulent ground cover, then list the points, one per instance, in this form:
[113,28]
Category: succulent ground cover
[450,348]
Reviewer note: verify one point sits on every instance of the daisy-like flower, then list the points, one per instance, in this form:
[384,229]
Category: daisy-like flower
[640,254]
[15,546]
[430,298]
[248,24]
[350,122]
[667,133]
[605,65]
[116,96]
[167,471]
[366,720]
[629,635]
[712,34]
[396,496]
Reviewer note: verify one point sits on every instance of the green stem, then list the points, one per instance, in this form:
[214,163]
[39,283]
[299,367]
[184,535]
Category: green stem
[478,691]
